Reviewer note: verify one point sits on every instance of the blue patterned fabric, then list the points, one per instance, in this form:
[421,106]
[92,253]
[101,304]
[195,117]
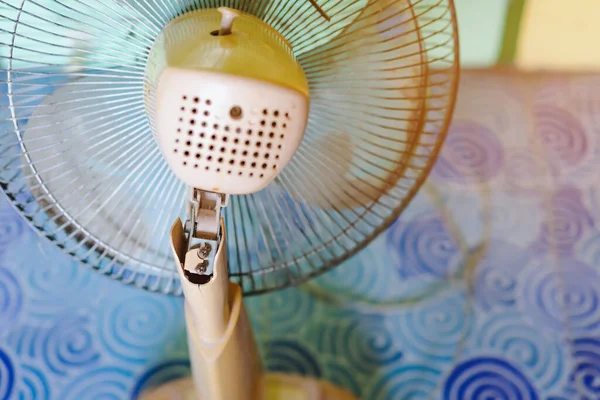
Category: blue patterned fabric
[487,287]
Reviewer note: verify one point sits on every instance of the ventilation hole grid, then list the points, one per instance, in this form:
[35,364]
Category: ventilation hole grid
[275,125]
[253,156]
[191,110]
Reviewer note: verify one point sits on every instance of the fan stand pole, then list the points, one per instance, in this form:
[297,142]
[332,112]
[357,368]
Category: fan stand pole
[223,353]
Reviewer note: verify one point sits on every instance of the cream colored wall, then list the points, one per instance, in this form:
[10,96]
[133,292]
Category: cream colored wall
[481,30]
[560,35]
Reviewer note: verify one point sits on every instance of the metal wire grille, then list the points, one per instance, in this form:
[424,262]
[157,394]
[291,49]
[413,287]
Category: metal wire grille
[78,160]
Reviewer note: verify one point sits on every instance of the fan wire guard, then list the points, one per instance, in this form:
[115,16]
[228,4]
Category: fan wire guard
[79,162]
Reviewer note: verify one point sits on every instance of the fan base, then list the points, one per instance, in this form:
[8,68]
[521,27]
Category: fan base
[275,387]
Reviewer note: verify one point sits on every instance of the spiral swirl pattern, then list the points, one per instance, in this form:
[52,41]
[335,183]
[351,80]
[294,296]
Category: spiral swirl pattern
[435,331]
[422,247]
[406,383]
[26,341]
[33,384]
[69,345]
[342,376]
[522,343]
[561,136]
[53,286]
[7,376]
[11,227]
[369,344]
[160,374]
[495,288]
[106,383]
[484,378]
[352,276]
[586,372]
[290,357]
[472,153]
[590,250]
[11,299]
[568,220]
[570,295]
[497,275]
[527,173]
[285,311]
[134,328]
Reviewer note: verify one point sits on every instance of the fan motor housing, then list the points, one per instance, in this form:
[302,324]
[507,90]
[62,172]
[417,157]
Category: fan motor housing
[228,112]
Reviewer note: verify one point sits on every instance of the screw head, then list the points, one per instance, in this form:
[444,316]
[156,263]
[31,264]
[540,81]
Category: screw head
[201,267]
[204,250]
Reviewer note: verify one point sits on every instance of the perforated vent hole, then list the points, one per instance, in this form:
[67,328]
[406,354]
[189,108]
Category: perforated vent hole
[254,156]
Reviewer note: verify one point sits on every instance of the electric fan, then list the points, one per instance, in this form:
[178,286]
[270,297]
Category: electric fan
[290,133]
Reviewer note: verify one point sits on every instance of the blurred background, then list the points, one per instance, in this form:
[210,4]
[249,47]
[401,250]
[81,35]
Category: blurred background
[488,284]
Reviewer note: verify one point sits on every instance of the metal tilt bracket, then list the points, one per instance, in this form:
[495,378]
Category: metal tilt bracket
[203,232]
